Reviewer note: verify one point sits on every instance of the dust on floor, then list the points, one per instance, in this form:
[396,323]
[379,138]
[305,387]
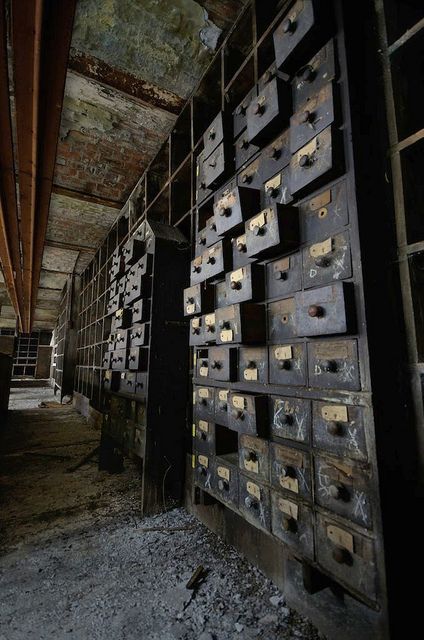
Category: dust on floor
[79,563]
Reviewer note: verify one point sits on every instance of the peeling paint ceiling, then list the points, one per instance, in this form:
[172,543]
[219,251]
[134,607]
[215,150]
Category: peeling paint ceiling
[132,65]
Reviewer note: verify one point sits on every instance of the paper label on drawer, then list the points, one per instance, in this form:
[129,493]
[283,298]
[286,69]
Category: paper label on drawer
[223,395]
[284,353]
[238,402]
[204,426]
[289,508]
[340,537]
[210,319]
[321,200]
[226,335]
[259,220]
[203,393]
[197,261]
[328,350]
[282,265]
[336,413]
[241,240]
[321,248]
[250,374]
[224,473]
[291,484]
[194,359]
[195,323]
[252,466]
[203,460]
[193,461]
[307,150]
[274,183]
[253,490]
[238,275]
[193,430]
[203,371]
[228,200]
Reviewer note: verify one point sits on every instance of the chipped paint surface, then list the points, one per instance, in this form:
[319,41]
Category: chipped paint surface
[62,260]
[156,40]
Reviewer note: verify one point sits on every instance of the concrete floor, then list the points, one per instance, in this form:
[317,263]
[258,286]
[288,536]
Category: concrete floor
[78,562]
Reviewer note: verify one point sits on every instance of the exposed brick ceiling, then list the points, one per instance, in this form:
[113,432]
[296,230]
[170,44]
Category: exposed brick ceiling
[132,65]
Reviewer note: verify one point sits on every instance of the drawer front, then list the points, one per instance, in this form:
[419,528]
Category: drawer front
[275,229]
[314,76]
[119,360]
[117,265]
[196,332]
[202,363]
[223,363]
[324,213]
[291,418]
[203,403]
[312,117]
[328,310]
[253,364]
[340,429]
[111,380]
[275,156]
[255,502]
[334,365]
[251,177]
[292,30]
[216,260]
[111,341]
[141,385]
[127,383]
[240,113]
[283,276]
[132,251]
[122,338]
[221,407]
[291,470]
[215,166]
[240,257]
[288,364]
[292,522]
[202,191]
[203,470]
[244,322]
[347,555]
[313,161]
[248,413]
[220,295]
[198,299]
[226,482]
[197,271]
[214,134]
[123,318]
[139,335]
[244,150]
[143,267]
[106,362]
[282,320]
[209,328]
[343,487]
[141,311]
[234,205]
[203,436]
[114,304]
[327,260]
[277,190]
[138,359]
[245,283]
[254,457]
[269,112]
[201,243]
[212,236]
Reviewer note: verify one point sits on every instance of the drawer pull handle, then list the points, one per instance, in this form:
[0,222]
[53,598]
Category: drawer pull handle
[274,153]
[212,134]
[338,492]
[211,328]
[201,241]
[212,164]
[188,301]
[224,324]
[244,144]
[236,285]
[246,178]
[225,211]
[284,364]
[305,161]
[289,26]
[342,556]
[195,331]
[258,231]
[241,247]
[272,192]
[202,471]
[322,261]
[197,269]
[307,74]
[223,406]
[211,260]
[334,429]
[330,366]
[241,110]
[212,227]
[216,365]
[280,275]
[237,414]
[223,485]
[251,456]
[250,503]
[315,311]
[306,116]
[288,472]
[289,524]
[259,109]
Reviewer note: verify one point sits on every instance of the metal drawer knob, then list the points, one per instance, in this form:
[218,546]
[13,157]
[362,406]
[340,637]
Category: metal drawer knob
[210,328]
[322,261]
[216,365]
[235,285]
[212,164]
[304,161]
[223,485]
[210,260]
[250,503]
[334,429]
[246,178]
[204,363]
[224,324]
[225,211]
[251,364]
[259,109]
[342,556]
[307,74]
[258,231]
[203,436]
[288,26]
[189,301]
[315,311]
[237,414]
[241,247]
[251,456]
[338,492]
[288,472]
[306,116]
[202,185]
[202,471]
[330,366]
[286,419]
[289,524]
[195,331]
[212,134]
[197,269]
[272,192]
[284,364]
[201,241]
[244,144]
[241,110]
[202,401]
[212,226]
[280,275]
[223,406]
[274,153]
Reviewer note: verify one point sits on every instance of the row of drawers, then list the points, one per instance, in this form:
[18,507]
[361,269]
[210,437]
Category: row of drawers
[330,364]
[135,284]
[339,429]
[337,547]
[136,336]
[129,382]
[135,359]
